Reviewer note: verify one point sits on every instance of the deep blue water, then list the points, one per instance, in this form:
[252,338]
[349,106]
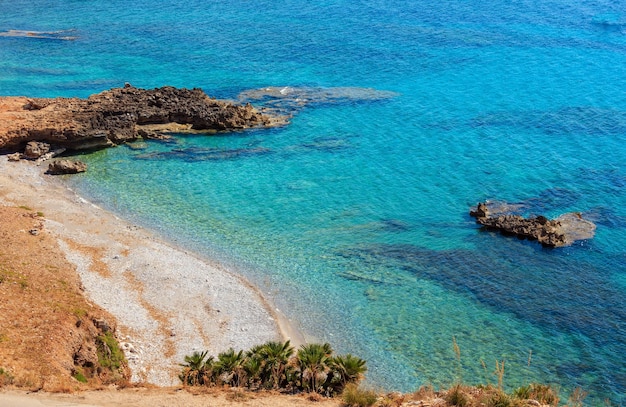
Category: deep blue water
[353,218]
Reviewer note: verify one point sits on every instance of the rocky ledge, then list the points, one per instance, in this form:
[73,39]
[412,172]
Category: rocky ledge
[562,231]
[119,115]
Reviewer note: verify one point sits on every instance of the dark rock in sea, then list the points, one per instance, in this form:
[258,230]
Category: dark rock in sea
[121,115]
[205,154]
[328,144]
[514,279]
[558,232]
[481,211]
[394,225]
[289,99]
[64,35]
[59,167]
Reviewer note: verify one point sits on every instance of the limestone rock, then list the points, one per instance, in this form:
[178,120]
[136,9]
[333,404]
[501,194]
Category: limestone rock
[35,149]
[116,116]
[14,157]
[59,167]
[559,232]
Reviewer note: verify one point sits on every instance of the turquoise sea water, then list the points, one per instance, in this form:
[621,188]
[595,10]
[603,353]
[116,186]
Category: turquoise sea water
[354,216]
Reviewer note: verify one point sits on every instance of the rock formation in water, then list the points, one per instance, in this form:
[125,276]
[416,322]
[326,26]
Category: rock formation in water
[117,116]
[558,232]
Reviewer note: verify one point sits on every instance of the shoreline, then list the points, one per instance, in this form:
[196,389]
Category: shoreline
[168,301]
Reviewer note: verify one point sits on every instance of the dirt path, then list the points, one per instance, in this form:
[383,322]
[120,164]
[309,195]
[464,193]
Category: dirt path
[169,397]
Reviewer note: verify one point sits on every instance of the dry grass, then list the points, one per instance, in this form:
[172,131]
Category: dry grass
[356,397]
[239,396]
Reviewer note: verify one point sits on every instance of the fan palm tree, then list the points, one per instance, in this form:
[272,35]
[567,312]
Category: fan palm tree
[195,368]
[275,356]
[253,368]
[312,360]
[229,367]
[345,369]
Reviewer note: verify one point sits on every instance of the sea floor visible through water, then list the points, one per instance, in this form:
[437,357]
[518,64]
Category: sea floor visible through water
[353,218]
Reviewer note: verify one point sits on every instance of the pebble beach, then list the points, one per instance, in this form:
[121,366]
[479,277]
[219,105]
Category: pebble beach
[168,302]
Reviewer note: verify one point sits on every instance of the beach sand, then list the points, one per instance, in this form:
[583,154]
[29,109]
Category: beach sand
[168,302]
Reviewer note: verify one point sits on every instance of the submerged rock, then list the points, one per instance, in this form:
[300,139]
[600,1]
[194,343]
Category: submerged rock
[562,231]
[205,154]
[288,98]
[575,227]
[64,35]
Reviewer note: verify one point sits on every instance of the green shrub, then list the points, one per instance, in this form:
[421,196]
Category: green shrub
[109,353]
[78,375]
[353,396]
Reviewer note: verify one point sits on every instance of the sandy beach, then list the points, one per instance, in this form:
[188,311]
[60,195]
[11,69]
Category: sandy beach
[167,302]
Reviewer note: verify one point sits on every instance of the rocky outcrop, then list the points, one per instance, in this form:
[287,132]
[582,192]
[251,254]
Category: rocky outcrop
[558,232]
[117,116]
[60,167]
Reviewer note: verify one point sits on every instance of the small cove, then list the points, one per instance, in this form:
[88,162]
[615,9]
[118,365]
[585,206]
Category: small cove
[353,218]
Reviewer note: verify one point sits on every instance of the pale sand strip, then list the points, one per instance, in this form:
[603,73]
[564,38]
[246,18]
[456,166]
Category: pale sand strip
[168,302]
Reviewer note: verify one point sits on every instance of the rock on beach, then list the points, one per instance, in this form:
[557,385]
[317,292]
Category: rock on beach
[59,167]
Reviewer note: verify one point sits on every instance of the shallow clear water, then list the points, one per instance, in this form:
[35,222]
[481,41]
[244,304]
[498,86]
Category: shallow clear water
[354,217]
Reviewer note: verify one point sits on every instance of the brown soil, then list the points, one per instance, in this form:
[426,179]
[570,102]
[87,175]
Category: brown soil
[47,328]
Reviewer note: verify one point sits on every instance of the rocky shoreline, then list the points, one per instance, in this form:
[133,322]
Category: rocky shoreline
[118,116]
